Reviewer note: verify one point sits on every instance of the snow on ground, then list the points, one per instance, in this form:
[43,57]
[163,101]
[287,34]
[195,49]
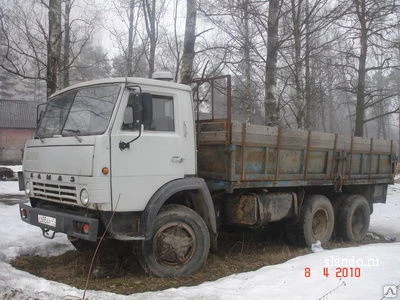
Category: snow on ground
[11,187]
[369,268]
[16,168]
[386,217]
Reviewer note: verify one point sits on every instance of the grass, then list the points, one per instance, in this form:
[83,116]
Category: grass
[117,270]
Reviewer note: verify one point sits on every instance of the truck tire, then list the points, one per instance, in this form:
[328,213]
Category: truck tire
[179,245]
[353,218]
[317,220]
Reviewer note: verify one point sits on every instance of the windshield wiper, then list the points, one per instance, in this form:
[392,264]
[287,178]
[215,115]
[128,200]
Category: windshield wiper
[76,131]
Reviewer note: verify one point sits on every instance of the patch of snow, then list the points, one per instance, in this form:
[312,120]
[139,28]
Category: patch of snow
[15,169]
[317,247]
[11,187]
[385,219]
[20,238]
[354,273]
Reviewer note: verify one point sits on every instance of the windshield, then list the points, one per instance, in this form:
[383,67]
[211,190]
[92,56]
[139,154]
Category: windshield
[85,111]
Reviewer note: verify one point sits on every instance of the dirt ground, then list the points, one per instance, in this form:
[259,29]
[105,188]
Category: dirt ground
[116,269]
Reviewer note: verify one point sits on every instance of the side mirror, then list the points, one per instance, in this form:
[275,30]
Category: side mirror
[40,109]
[147,110]
[142,107]
[135,103]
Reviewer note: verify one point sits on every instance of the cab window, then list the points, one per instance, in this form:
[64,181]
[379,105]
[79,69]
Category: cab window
[156,114]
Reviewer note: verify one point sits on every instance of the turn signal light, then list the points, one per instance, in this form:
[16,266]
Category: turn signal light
[85,228]
[24,213]
[105,170]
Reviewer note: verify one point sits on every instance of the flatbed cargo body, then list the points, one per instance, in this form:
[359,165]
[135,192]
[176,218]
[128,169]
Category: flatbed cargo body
[238,156]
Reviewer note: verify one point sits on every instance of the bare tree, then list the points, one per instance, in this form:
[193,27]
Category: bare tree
[271,106]
[174,46]
[238,38]
[92,63]
[371,22]
[124,29]
[78,33]
[131,36]
[23,40]
[53,45]
[35,47]
[67,43]
[189,42]
[305,37]
[152,11]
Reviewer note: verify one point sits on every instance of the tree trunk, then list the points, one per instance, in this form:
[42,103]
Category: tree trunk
[247,61]
[298,64]
[67,44]
[129,58]
[271,106]
[177,49]
[153,39]
[53,45]
[360,109]
[308,98]
[149,9]
[189,42]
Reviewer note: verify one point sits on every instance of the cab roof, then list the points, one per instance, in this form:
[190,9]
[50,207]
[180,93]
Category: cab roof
[128,80]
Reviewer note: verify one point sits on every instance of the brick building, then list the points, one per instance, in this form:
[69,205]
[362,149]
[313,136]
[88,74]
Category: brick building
[17,124]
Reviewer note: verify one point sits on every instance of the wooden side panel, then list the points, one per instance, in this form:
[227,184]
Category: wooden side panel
[250,153]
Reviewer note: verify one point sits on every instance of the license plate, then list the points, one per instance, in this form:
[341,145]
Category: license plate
[46,220]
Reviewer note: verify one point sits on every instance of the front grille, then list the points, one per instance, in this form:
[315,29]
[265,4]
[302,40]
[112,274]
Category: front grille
[54,192]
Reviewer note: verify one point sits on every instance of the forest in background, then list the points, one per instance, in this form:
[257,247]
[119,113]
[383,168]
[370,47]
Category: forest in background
[312,64]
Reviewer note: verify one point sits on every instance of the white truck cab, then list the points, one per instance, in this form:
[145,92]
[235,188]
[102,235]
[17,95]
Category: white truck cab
[107,156]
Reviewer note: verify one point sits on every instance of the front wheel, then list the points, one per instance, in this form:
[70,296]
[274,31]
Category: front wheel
[179,244]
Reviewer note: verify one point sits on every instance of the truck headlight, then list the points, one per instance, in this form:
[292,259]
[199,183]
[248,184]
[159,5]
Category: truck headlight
[27,188]
[84,197]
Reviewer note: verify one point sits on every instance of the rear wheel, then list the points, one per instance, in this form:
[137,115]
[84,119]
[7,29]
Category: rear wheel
[179,245]
[316,220]
[353,218]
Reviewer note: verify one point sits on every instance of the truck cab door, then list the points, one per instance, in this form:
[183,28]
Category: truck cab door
[155,154]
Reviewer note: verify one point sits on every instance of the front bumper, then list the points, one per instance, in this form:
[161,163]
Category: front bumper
[60,222]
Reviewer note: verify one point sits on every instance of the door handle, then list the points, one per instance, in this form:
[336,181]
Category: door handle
[177,159]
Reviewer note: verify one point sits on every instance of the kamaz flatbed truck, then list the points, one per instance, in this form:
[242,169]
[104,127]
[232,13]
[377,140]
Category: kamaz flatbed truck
[152,162]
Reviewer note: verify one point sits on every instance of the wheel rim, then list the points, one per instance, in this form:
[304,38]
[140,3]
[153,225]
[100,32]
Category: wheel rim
[320,224]
[174,244]
[357,221]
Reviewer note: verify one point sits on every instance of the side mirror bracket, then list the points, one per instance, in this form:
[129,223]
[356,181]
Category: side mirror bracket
[142,114]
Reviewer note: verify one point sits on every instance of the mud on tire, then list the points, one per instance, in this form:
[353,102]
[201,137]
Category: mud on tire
[179,245]
[353,218]
[316,220]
